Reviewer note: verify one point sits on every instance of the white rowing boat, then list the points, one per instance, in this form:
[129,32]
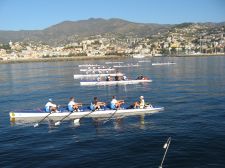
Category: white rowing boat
[88,65]
[163,63]
[122,82]
[126,66]
[138,56]
[144,61]
[78,76]
[113,62]
[97,69]
[37,116]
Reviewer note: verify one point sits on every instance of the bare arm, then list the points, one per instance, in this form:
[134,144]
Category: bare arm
[101,103]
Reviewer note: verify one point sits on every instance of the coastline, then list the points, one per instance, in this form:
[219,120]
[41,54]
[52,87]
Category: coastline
[56,59]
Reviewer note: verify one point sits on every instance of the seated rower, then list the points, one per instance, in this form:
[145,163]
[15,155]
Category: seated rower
[73,106]
[140,103]
[50,106]
[96,105]
[117,78]
[108,78]
[124,77]
[145,78]
[115,104]
[98,78]
[140,77]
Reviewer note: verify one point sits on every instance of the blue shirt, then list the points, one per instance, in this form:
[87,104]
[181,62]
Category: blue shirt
[113,104]
[70,106]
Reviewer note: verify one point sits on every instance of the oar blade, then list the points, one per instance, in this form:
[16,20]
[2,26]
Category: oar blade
[36,125]
[57,123]
[76,122]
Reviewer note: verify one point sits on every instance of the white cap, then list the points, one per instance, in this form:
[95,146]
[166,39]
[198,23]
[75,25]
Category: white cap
[141,97]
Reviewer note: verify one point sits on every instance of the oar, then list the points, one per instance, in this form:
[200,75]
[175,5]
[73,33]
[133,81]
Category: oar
[76,121]
[166,146]
[111,116]
[59,122]
[37,124]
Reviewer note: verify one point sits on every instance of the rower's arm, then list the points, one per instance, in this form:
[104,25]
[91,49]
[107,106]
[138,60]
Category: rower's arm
[101,103]
[79,104]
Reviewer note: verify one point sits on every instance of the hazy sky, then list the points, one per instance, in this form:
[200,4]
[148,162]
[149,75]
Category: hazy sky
[39,14]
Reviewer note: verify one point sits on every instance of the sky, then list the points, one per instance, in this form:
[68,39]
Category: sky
[40,14]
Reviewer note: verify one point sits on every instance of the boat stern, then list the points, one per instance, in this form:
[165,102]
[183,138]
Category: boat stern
[12,116]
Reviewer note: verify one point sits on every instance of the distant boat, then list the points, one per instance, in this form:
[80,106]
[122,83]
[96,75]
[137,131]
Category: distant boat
[88,65]
[158,55]
[163,63]
[138,56]
[97,70]
[78,76]
[144,61]
[122,82]
[126,66]
[114,62]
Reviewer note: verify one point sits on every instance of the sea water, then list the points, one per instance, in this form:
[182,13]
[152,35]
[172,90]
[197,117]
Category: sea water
[192,93]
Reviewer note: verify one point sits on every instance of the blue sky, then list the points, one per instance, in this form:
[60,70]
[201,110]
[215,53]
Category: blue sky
[39,14]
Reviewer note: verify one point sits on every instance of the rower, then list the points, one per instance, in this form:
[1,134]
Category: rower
[115,104]
[140,77]
[73,106]
[108,78]
[117,78]
[98,78]
[124,77]
[96,105]
[140,103]
[50,106]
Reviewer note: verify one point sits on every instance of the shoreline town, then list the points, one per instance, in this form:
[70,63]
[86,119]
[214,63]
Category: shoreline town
[187,39]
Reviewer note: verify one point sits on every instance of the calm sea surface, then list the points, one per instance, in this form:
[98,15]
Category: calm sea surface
[192,92]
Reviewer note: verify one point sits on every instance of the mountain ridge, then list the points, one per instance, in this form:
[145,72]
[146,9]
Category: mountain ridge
[66,31]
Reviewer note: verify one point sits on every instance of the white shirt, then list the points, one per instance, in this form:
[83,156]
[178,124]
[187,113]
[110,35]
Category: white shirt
[113,101]
[142,103]
[50,104]
[71,103]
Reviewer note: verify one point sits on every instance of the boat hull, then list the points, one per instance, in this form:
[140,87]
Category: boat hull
[96,70]
[124,82]
[37,116]
[126,66]
[78,76]
[165,63]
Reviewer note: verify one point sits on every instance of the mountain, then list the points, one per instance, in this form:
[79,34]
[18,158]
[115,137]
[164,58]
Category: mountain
[70,31]
[64,31]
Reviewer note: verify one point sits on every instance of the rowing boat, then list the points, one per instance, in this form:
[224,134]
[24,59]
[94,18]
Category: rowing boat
[37,115]
[126,66]
[88,65]
[144,61]
[78,76]
[98,69]
[138,56]
[113,62]
[122,82]
[164,63]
